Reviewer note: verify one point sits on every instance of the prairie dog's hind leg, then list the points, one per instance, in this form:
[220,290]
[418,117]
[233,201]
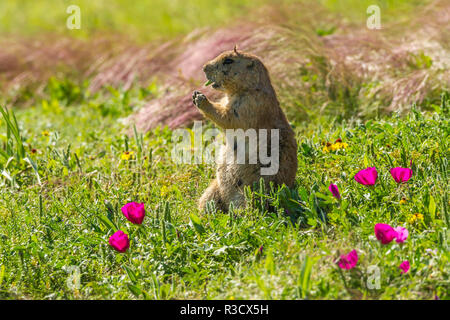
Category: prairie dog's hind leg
[212,193]
[237,198]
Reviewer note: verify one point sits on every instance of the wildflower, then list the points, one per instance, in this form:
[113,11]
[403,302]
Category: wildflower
[334,190]
[367,176]
[338,145]
[164,191]
[348,261]
[403,201]
[127,155]
[404,266]
[327,147]
[385,233]
[401,174]
[415,217]
[33,151]
[335,146]
[402,234]
[119,241]
[134,212]
[45,133]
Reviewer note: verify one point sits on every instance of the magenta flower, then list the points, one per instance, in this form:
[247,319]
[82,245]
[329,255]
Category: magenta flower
[119,241]
[134,212]
[348,261]
[367,177]
[385,233]
[402,234]
[401,174]
[404,266]
[334,190]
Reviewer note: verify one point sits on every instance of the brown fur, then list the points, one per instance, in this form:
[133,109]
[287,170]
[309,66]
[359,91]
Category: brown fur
[250,102]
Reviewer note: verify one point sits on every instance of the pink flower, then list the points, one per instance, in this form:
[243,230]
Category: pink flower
[367,177]
[134,212]
[349,260]
[402,234]
[385,233]
[119,241]
[334,190]
[401,174]
[404,266]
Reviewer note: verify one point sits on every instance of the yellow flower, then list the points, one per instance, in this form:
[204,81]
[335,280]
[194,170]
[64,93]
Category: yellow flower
[335,146]
[416,216]
[403,201]
[127,155]
[339,145]
[45,133]
[327,147]
[164,191]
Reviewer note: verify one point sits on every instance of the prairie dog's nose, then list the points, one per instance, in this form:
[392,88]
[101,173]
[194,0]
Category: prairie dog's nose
[207,67]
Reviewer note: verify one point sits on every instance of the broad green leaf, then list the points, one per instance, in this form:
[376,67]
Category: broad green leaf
[432,207]
[2,274]
[106,222]
[135,290]
[366,161]
[131,274]
[304,283]
[196,223]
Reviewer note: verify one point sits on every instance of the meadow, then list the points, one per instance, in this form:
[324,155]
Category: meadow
[73,153]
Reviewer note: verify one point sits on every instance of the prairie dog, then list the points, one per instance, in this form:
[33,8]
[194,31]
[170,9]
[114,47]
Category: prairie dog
[250,102]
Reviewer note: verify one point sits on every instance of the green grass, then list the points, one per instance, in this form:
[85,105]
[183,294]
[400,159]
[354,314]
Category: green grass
[160,19]
[142,20]
[61,213]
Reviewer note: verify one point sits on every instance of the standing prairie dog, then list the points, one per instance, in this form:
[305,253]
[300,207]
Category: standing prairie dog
[250,102]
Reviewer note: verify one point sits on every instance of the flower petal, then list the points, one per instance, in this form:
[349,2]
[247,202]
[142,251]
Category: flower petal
[385,233]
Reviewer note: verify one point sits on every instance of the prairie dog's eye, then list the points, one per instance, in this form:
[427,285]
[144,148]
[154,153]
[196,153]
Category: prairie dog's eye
[228,61]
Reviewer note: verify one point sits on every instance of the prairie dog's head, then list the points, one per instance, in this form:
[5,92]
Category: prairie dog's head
[235,71]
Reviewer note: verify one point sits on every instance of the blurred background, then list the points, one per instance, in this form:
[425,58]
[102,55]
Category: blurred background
[323,58]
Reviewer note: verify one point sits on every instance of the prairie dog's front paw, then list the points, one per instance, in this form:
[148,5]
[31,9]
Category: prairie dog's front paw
[199,99]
